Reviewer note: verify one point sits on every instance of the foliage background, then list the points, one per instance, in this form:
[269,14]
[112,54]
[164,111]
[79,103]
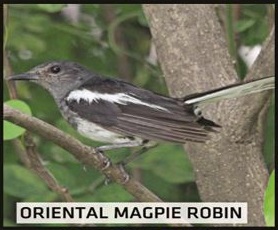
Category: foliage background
[113,40]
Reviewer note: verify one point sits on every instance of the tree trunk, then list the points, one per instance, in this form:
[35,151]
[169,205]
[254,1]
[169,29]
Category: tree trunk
[193,54]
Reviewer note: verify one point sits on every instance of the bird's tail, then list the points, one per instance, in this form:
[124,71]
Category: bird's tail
[231,91]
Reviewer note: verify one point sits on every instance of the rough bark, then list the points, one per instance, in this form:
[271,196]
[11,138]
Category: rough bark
[193,54]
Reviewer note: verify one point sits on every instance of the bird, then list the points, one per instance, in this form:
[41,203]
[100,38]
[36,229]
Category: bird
[120,114]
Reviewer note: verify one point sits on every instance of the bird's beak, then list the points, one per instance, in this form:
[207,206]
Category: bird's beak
[24,76]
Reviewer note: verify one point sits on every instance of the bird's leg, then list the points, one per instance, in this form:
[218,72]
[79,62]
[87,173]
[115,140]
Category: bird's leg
[137,153]
[100,150]
[146,146]
[118,145]
[126,175]
[103,159]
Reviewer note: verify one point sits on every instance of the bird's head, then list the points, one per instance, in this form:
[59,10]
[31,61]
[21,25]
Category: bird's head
[58,77]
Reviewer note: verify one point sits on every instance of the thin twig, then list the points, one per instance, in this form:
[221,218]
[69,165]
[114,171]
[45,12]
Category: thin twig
[37,166]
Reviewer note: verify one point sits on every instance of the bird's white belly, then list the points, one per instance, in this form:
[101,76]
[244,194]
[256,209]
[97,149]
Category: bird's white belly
[98,133]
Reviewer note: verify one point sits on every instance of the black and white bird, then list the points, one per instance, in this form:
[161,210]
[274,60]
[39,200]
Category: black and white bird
[113,111]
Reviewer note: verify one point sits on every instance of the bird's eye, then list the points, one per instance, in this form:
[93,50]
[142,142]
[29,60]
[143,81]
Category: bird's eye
[55,69]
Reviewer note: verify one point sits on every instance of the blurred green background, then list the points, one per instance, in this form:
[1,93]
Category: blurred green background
[113,40]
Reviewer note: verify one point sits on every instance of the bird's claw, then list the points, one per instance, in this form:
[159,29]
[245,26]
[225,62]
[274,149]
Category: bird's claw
[126,176]
[105,164]
[104,160]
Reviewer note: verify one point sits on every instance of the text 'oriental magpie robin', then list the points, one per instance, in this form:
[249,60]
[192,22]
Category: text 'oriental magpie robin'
[116,112]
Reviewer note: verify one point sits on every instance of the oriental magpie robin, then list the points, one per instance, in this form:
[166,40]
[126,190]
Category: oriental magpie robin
[116,112]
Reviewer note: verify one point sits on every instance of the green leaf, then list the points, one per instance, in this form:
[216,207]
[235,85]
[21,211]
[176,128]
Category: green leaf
[269,201]
[22,183]
[51,8]
[142,20]
[243,25]
[12,131]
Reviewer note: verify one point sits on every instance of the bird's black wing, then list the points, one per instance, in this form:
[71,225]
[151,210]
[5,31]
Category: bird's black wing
[140,113]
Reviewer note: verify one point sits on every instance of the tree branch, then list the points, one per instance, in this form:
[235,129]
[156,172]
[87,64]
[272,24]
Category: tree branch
[85,154]
[193,55]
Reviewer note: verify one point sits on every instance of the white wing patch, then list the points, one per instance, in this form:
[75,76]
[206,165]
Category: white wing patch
[120,98]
